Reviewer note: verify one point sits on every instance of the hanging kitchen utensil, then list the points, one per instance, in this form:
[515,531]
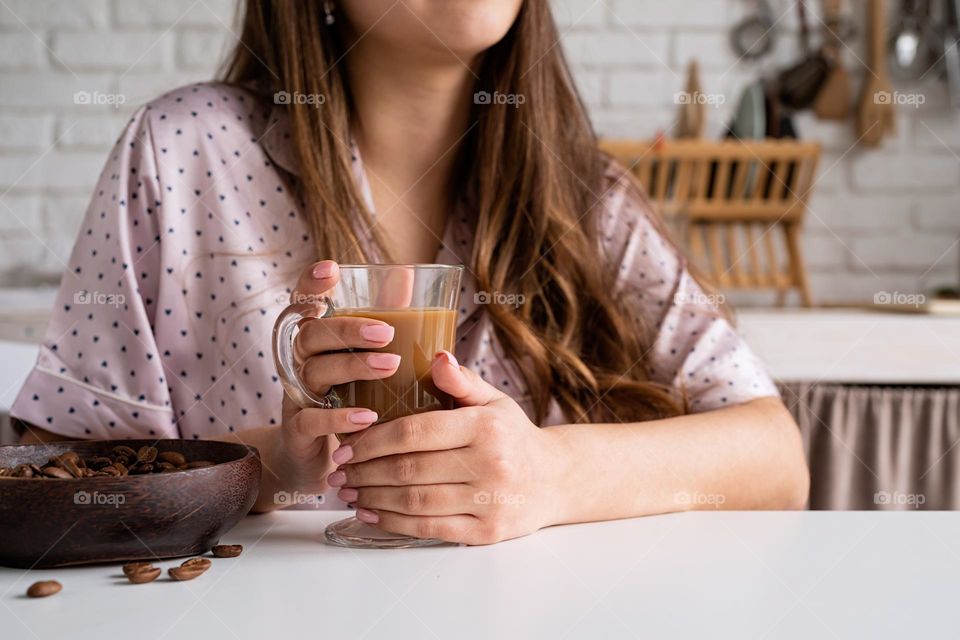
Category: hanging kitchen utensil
[779,120]
[951,49]
[779,126]
[749,123]
[910,46]
[753,38]
[693,117]
[834,100]
[800,84]
[875,114]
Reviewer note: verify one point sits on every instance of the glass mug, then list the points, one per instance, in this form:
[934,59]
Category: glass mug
[420,301]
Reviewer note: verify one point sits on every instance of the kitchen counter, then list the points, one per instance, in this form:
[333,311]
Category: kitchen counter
[18,359]
[699,575]
[854,346]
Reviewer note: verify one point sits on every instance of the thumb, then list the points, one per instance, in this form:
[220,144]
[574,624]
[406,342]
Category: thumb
[464,385]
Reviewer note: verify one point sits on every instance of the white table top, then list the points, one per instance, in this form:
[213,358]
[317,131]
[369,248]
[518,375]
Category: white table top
[698,575]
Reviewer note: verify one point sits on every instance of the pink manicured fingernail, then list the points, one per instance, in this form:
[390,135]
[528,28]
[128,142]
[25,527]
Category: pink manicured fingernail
[446,355]
[343,454]
[348,495]
[377,332]
[323,270]
[385,361]
[365,515]
[363,417]
[337,479]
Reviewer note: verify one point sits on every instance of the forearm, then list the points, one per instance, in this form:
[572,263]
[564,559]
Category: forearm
[35,435]
[746,457]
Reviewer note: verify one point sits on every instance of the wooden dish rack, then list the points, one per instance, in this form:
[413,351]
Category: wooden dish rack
[739,205]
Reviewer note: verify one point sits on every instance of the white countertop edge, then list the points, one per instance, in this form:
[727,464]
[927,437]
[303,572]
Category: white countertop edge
[855,346]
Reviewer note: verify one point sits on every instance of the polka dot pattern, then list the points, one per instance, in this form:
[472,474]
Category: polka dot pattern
[182,263]
[696,350]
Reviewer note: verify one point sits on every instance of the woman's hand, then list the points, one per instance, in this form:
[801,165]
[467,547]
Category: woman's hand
[477,474]
[299,455]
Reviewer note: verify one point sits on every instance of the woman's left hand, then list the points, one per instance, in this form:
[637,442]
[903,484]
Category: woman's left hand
[476,474]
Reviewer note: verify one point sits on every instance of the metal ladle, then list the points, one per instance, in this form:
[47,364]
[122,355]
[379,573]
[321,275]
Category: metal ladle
[753,38]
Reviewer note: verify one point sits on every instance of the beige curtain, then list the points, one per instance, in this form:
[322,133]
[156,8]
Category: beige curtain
[891,448]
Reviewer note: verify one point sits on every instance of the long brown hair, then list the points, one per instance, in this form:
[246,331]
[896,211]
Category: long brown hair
[532,177]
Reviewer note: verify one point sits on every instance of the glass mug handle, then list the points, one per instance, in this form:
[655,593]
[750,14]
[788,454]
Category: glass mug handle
[284,332]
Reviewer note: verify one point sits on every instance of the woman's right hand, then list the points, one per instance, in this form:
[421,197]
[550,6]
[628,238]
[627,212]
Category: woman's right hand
[329,351]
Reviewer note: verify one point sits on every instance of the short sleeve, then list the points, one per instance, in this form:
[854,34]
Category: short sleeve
[98,374]
[694,348]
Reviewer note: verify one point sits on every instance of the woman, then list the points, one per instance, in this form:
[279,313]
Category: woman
[411,132]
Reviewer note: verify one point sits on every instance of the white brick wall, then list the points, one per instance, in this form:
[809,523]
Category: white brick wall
[880,220]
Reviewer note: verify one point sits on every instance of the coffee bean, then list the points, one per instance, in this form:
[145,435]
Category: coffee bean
[99,462]
[68,463]
[121,461]
[144,574]
[130,567]
[56,472]
[190,569]
[44,588]
[125,451]
[66,456]
[172,457]
[227,550]
[197,562]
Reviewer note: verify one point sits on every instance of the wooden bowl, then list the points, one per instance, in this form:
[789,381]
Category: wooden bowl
[55,522]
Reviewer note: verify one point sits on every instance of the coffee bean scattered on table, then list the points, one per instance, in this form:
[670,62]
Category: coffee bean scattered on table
[227,550]
[190,569]
[141,572]
[44,588]
[131,567]
[121,461]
